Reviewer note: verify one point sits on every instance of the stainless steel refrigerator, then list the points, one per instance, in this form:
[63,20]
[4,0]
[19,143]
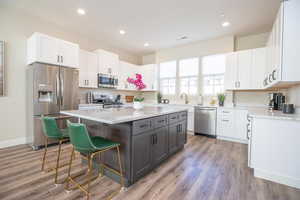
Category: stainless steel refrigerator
[50,89]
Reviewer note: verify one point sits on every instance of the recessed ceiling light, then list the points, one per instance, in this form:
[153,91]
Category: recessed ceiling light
[80,11]
[122,32]
[146,44]
[225,24]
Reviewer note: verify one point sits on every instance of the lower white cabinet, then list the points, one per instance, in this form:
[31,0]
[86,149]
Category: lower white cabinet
[275,151]
[232,124]
[191,121]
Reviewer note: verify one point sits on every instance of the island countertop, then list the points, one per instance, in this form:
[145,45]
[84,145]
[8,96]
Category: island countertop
[121,115]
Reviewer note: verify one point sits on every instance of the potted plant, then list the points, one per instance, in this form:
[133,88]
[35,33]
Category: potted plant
[137,102]
[221,99]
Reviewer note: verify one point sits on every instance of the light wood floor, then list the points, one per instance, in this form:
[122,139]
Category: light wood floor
[205,169]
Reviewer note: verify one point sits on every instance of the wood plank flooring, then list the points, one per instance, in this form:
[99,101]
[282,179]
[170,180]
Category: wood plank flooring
[207,169]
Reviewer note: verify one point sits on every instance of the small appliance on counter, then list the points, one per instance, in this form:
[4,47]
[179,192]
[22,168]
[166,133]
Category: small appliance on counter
[288,108]
[276,101]
[107,81]
[104,99]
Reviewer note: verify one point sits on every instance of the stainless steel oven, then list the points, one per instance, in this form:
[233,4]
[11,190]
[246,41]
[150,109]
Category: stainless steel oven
[107,81]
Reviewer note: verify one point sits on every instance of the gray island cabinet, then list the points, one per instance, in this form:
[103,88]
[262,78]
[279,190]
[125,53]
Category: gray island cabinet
[146,141]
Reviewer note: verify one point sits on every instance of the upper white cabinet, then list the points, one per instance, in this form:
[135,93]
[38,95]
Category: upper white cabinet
[283,47]
[245,69]
[244,59]
[88,69]
[46,49]
[231,72]
[108,62]
[259,63]
[149,73]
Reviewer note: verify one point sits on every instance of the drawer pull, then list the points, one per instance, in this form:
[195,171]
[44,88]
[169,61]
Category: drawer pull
[225,120]
[144,126]
[225,111]
[173,117]
[161,121]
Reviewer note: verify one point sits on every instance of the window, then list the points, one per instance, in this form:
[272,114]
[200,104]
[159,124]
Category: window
[213,70]
[168,78]
[188,75]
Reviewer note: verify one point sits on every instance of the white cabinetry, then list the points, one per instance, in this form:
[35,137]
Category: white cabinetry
[231,71]
[244,59]
[108,62]
[49,50]
[245,69]
[259,63]
[275,150]
[149,73]
[283,47]
[88,69]
[232,124]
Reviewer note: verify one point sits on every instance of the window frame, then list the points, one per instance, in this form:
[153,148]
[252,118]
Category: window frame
[200,77]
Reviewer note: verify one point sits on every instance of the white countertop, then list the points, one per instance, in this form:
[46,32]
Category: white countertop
[121,115]
[279,115]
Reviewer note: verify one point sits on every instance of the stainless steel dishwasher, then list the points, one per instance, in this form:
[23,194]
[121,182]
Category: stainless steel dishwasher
[205,121]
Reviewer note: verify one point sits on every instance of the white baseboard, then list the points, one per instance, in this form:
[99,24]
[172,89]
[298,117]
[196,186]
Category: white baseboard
[13,142]
[232,139]
[285,180]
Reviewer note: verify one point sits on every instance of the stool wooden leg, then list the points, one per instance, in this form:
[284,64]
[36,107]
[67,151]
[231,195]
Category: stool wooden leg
[121,170]
[45,154]
[57,161]
[69,171]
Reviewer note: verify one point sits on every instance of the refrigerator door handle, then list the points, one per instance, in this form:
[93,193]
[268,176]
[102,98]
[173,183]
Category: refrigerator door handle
[57,89]
[62,91]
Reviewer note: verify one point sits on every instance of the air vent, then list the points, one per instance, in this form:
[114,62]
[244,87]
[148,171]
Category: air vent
[182,38]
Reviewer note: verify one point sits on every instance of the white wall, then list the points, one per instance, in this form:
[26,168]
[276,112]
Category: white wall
[196,49]
[251,41]
[149,59]
[15,28]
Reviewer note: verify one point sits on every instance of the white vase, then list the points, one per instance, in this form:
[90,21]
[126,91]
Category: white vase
[137,105]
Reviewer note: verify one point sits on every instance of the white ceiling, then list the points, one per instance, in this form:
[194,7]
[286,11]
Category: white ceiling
[159,22]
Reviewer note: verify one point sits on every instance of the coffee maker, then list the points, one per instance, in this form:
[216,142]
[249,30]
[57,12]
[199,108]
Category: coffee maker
[276,101]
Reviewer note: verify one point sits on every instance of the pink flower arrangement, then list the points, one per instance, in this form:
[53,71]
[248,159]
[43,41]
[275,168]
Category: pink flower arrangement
[139,84]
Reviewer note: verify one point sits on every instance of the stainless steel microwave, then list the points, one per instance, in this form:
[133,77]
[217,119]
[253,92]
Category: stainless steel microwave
[107,81]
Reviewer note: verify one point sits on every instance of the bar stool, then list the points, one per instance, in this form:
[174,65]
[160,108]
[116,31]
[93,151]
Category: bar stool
[89,147]
[51,131]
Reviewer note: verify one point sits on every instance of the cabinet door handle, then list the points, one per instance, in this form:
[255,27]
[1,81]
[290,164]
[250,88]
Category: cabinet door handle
[62,59]
[58,58]
[152,139]
[143,126]
[155,139]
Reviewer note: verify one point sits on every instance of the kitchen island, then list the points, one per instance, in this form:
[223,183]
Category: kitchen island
[147,136]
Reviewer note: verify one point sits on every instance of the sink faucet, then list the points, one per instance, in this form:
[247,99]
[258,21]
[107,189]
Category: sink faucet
[185,97]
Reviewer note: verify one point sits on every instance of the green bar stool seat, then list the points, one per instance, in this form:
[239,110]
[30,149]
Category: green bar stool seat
[90,146]
[51,131]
